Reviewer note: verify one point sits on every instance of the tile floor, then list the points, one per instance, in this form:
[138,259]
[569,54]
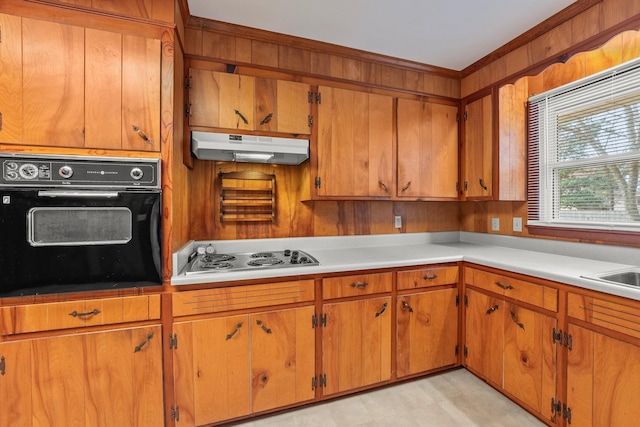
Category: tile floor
[452,399]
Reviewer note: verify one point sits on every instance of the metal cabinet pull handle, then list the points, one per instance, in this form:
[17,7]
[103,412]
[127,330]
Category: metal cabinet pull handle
[267,119]
[244,119]
[492,309]
[515,319]
[505,287]
[143,343]
[382,310]
[264,328]
[383,186]
[406,187]
[137,130]
[359,285]
[235,331]
[88,313]
[407,307]
[430,276]
[484,187]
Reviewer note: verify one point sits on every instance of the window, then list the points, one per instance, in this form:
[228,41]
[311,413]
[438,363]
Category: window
[584,153]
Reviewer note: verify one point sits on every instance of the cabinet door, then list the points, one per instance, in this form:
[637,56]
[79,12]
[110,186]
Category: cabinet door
[53,83]
[478,145]
[530,358]
[354,144]
[282,358]
[282,106]
[221,100]
[484,336]
[356,344]
[427,331]
[211,370]
[603,380]
[15,383]
[427,149]
[11,79]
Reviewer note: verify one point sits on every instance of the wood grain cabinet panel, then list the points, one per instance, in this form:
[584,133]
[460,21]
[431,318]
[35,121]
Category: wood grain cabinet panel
[356,344]
[427,150]
[11,79]
[478,149]
[355,144]
[15,383]
[233,366]
[362,284]
[427,328]
[427,277]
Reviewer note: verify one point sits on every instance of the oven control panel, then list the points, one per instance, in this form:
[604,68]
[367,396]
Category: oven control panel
[79,171]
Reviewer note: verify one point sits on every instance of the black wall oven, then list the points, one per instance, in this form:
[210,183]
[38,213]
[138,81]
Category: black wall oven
[70,224]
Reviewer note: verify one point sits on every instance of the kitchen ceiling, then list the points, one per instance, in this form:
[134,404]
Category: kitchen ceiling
[446,33]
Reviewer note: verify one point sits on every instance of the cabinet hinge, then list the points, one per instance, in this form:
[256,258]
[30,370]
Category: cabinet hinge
[562,338]
[187,82]
[320,381]
[318,98]
[457,117]
[318,182]
[323,380]
[466,186]
[566,413]
[466,301]
[457,350]
[310,121]
[556,406]
[0,121]
[457,304]
[175,413]
[323,320]
[2,366]
[310,97]
[465,351]
[314,383]
[466,116]
[173,341]
[187,110]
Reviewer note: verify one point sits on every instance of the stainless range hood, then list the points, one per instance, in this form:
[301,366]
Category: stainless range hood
[249,148]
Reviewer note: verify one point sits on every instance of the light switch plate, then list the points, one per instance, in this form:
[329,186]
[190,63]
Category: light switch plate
[517,224]
[495,224]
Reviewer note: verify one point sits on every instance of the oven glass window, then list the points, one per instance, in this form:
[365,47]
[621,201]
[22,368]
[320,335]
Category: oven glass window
[79,226]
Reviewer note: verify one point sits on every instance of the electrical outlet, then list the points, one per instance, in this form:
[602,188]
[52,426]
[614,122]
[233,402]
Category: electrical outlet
[517,224]
[397,221]
[495,224]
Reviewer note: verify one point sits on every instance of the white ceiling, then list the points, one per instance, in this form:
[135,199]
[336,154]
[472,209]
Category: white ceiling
[446,33]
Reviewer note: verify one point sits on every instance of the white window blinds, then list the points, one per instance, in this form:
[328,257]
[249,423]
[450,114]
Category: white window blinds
[584,152]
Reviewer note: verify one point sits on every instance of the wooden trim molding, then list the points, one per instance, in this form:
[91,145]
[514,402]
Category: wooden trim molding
[621,238]
[556,20]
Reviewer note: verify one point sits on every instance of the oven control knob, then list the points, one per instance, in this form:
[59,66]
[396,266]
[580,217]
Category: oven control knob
[11,175]
[65,172]
[12,166]
[136,173]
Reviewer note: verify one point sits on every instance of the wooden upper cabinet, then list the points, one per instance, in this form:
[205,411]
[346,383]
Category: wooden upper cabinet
[355,144]
[53,83]
[159,10]
[478,149]
[512,123]
[427,150]
[11,79]
[233,101]
[69,86]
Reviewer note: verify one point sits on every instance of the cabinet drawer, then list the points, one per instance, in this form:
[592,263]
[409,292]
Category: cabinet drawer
[75,314]
[362,284]
[521,290]
[426,277]
[623,316]
[241,297]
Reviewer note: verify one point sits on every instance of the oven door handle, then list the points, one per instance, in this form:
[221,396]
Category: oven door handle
[83,194]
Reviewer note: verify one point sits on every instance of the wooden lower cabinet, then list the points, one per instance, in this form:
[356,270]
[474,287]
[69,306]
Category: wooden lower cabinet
[91,379]
[427,331]
[232,366]
[356,344]
[513,349]
[603,380]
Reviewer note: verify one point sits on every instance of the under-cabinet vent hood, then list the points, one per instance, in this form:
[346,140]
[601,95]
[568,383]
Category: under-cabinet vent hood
[249,148]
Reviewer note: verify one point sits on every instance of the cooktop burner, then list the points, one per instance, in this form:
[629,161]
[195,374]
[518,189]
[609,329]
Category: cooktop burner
[205,260]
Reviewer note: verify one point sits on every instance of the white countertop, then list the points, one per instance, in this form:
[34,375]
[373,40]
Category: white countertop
[564,262]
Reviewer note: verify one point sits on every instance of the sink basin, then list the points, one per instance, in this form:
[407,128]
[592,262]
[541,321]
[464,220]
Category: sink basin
[627,277]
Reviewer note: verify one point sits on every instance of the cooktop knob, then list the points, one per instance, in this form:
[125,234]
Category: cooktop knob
[210,250]
[287,252]
[200,250]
